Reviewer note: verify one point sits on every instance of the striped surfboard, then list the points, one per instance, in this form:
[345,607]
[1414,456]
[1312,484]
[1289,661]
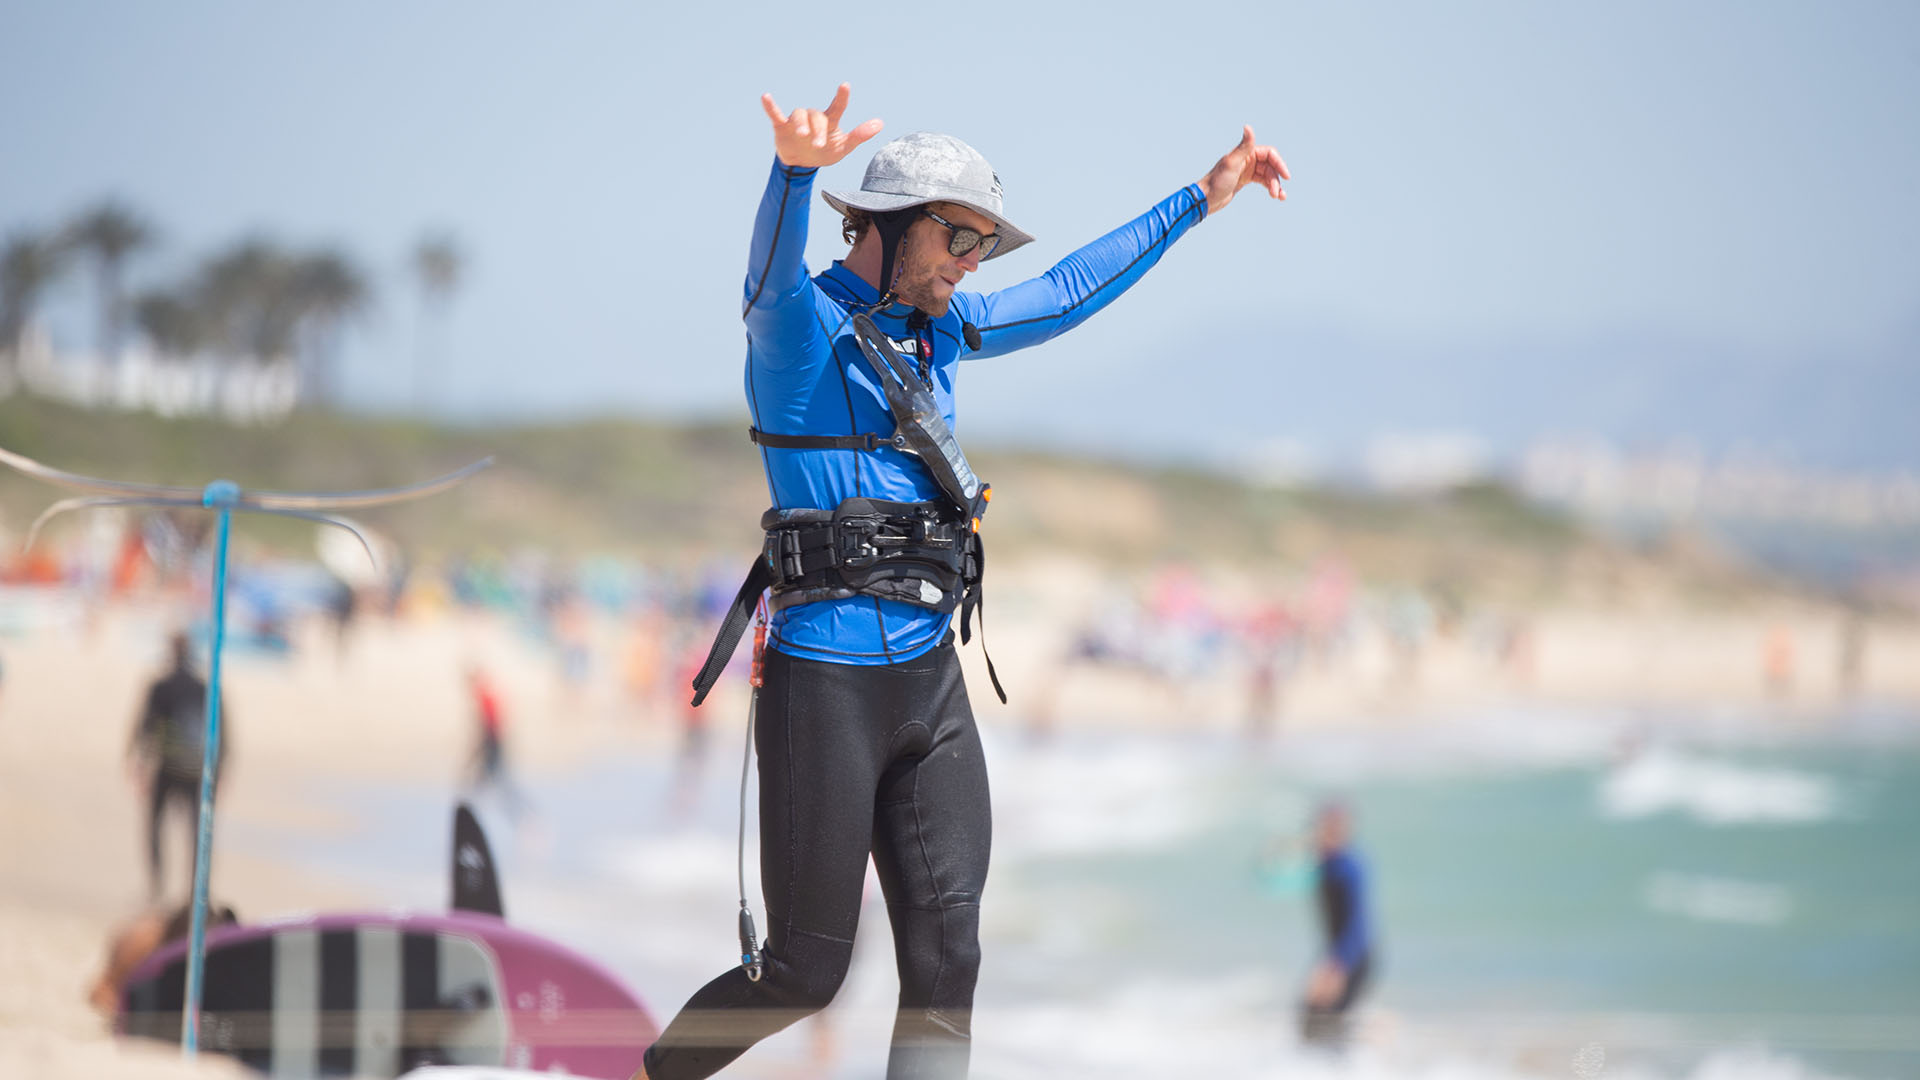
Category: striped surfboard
[379,994]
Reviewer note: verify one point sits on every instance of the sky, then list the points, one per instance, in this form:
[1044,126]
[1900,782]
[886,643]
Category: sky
[1648,222]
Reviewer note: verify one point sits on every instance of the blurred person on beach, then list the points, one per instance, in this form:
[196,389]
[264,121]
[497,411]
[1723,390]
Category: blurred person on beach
[1851,657]
[1327,611]
[1407,619]
[138,938]
[342,603]
[572,633]
[690,764]
[488,766]
[1346,920]
[167,749]
[866,739]
[644,659]
[1270,640]
[1777,661]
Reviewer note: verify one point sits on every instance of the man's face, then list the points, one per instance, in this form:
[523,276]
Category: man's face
[1330,830]
[928,272]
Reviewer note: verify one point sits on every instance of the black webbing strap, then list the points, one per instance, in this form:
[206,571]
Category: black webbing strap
[735,624]
[977,598]
[761,576]
[818,442]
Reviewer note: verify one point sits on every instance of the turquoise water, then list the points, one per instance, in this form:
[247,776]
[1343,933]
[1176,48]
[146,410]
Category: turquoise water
[1703,904]
[1514,902]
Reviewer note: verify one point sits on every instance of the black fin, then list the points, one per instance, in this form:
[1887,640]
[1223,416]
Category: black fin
[476,887]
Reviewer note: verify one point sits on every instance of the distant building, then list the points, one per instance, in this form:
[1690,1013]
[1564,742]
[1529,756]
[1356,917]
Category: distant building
[142,380]
[1599,480]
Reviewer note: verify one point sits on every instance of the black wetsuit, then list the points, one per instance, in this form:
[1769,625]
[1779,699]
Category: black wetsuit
[172,733]
[853,758]
[1345,916]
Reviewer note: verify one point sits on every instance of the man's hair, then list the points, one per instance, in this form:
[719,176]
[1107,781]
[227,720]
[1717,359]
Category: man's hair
[854,224]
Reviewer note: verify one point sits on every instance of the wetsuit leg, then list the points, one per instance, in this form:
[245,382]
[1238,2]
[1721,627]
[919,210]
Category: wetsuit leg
[169,790]
[933,830]
[1356,982]
[158,791]
[854,759]
[1328,1025]
[820,737]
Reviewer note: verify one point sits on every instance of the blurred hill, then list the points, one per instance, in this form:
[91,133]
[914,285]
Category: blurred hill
[1334,390]
[666,490]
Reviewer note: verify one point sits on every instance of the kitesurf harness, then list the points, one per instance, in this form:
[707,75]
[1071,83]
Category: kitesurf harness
[927,554]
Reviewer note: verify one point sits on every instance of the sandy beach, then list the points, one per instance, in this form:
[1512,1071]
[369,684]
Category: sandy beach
[393,709]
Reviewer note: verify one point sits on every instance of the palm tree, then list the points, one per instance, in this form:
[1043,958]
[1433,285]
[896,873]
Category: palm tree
[28,264]
[173,323]
[327,292]
[107,234]
[437,264]
[244,302]
[257,302]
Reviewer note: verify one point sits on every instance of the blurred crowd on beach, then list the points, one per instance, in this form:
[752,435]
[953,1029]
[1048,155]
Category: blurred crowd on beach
[621,636]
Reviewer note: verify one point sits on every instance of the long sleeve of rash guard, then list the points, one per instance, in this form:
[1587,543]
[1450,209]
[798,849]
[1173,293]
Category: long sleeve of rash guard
[1083,282]
[778,306]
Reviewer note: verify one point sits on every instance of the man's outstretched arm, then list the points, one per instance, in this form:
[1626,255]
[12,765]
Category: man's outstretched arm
[804,141]
[1092,277]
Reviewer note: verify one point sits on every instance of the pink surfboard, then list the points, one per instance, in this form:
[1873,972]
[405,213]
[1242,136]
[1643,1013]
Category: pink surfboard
[379,994]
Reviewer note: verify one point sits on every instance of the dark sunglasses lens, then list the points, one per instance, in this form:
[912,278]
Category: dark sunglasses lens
[965,240]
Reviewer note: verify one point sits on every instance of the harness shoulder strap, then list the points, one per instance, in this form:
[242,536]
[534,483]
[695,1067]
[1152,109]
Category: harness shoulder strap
[818,442]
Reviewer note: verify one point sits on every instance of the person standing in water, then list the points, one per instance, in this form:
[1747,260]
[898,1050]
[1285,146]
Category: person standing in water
[1346,921]
[865,735]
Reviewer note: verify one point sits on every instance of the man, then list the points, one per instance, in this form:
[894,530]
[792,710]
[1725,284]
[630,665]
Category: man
[488,766]
[168,747]
[1346,919]
[865,736]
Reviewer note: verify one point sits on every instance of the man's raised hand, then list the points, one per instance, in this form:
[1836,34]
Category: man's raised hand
[811,138]
[1244,164]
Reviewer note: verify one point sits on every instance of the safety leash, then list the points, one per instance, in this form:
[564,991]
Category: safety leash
[749,937]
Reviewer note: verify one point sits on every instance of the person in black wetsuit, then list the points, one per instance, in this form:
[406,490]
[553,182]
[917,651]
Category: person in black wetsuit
[167,747]
[1346,918]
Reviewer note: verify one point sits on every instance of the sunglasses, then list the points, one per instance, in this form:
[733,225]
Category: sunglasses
[965,239]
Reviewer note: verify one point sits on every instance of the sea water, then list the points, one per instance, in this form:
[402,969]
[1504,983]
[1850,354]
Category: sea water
[1603,894]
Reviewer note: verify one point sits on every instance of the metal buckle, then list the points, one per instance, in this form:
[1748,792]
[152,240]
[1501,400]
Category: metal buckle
[853,542]
[931,533]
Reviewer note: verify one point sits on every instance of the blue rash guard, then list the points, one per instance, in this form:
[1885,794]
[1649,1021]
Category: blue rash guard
[806,376]
[1345,909]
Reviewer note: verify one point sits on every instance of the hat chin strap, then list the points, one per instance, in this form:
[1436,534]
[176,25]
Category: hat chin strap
[893,232]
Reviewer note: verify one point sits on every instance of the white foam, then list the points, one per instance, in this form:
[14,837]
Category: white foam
[1124,796]
[1238,1025]
[1716,792]
[1754,1064]
[675,863]
[1714,899]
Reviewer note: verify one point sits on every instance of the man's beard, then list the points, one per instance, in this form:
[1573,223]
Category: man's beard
[917,283]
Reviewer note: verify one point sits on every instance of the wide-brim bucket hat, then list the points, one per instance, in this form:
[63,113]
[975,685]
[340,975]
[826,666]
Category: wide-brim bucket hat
[924,167]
